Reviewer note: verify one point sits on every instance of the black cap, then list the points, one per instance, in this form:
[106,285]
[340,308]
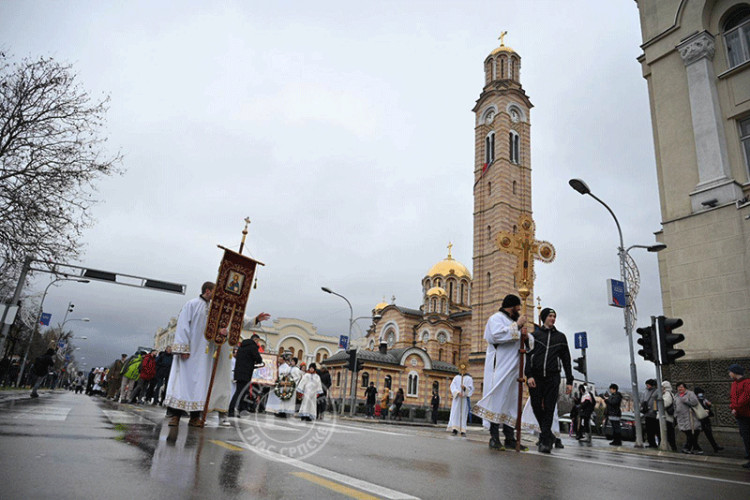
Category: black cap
[510,300]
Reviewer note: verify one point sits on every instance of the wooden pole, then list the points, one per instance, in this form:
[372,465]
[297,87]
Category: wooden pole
[211,385]
[524,293]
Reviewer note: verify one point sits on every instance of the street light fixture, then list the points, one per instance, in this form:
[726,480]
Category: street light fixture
[580,186]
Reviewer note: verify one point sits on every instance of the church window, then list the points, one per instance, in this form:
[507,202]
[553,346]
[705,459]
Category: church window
[371,346]
[489,189]
[502,67]
[745,139]
[439,283]
[365,379]
[489,148]
[433,305]
[299,355]
[443,307]
[514,145]
[388,381]
[425,336]
[455,355]
[489,232]
[325,356]
[515,229]
[317,357]
[511,69]
[440,355]
[462,293]
[412,388]
[390,338]
[489,280]
[338,379]
[442,337]
[737,36]
[450,290]
[514,187]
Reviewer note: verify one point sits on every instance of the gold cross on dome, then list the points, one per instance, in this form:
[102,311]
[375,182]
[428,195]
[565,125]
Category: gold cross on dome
[502,37]
[450,247]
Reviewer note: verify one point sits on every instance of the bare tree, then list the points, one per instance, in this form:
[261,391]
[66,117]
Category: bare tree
[52,150]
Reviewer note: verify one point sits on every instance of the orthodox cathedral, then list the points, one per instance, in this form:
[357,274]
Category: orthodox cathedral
[419,349]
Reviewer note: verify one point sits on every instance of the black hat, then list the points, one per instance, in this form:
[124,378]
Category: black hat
[546,312]
[737,369]
[510,300]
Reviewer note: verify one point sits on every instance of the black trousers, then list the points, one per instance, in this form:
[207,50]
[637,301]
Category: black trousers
[652,430]
[508,431]
[241,387]
[543,402]
[707,429]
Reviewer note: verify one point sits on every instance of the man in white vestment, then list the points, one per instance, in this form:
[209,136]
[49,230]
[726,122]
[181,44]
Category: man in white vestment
[275,403]
[192,363]
[499,404]
[462,388]
[310,387]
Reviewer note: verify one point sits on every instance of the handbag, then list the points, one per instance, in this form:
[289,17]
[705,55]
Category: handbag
[700,412]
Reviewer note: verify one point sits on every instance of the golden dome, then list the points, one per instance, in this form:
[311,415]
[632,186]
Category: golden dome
[449,266]
[436,290]
[381,306]
[503,48]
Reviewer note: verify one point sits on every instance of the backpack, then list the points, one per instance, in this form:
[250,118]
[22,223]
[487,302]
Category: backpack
[670,408]
[132,371]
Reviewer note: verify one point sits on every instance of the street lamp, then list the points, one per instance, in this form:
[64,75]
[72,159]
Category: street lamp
[583,188]
[39,320]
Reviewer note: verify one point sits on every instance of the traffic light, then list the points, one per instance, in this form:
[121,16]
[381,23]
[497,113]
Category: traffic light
[352,360]
[668,339]
[360,364]
[580,364]
[647,341]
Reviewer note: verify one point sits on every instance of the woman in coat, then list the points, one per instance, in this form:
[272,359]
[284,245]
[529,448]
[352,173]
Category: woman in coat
[397,402]
[687,421]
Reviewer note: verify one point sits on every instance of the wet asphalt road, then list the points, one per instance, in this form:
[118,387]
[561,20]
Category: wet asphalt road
[72,446]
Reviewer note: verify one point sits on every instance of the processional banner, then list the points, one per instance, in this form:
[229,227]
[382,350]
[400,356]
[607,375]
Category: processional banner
[227,309]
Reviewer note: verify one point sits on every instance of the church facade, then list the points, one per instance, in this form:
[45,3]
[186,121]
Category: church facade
[419,349]
[696,62]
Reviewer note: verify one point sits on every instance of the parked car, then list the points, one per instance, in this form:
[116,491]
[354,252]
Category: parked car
[627,423]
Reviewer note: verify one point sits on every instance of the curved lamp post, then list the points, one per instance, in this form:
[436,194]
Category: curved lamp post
[583,188]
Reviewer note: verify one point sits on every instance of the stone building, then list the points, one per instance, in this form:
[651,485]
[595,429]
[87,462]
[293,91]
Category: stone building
[696,62]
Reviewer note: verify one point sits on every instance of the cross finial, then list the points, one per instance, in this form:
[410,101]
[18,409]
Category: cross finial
[450,247]
[501,38]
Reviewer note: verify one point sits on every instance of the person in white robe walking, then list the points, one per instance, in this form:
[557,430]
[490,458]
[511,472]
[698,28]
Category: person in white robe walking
[310,387]
[274,403]
[499,404]
[462,388]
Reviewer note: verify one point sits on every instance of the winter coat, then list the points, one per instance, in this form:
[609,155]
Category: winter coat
[649,403]
[148,367]
[613,405]
[163,364]
[247,357]
[683,413]
[131,368]
[740,397]
[43,363]
[550,352]
[668,397]
[114,371]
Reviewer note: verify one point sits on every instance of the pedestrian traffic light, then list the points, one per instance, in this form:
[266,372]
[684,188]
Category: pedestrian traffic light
[668,339]
[647,342]
[352,360]
[580,364]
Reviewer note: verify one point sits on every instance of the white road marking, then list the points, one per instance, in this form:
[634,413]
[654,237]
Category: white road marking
[644,469]
[124,417]
[49,413]
[355,427]
[368,487]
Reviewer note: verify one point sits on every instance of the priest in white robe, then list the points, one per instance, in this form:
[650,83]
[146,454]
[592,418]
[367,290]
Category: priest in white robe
[192,363]
[462,388]
[274,403]
[310,387]
[499,404]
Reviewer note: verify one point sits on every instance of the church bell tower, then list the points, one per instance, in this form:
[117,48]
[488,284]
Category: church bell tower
[502,187]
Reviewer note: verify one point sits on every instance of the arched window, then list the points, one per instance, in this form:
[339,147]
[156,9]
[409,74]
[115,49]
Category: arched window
[489,280]
[433,305]
[412,387]
[388,381]
[365,379]
[440,355]
[325,356]
[338,379]
[737,36]
[511,69]
[489,148]
[455,355]
[300,355]
[462,293]
[515,229]
[489,232]
[514,187]
[502,67]
[450,290]
[514,144]
[489,189]
[443,306]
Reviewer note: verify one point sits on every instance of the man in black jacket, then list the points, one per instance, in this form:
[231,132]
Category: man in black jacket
[247,357]
[548,352]
[614,400]
[42,364]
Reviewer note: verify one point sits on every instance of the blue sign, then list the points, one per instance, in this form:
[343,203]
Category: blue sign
[343,342]
[67,357]
[61,344]
[581,340]
[46,317]
[616,293]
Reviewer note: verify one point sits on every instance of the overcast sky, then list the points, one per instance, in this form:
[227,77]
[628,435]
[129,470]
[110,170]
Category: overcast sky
[344,131]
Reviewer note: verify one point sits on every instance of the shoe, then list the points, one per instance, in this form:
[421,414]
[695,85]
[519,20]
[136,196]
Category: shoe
[698,451]
[224,422]
[616,443]
[174,421]
[195,422]
[558,444]
[686,451]
[543,448]
[495,445]
[34,395]
[463,434]
[455,432]
[718,449]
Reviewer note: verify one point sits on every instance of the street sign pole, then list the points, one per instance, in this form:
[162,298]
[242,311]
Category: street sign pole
[660,410]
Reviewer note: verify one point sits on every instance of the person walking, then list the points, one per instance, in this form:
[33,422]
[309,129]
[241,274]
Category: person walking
[586,409]
[613,401]
[649,410]
[146,375]
[668,395]
[385,401]
[247,357]
[548,353]
[739,398]
[130,375]
[371,394]
[435,404]
[499,403]
[462,388]
[310,387]
[114,377]
[687,421]
[397,402]
[42,365]
[706,422]
[325,379]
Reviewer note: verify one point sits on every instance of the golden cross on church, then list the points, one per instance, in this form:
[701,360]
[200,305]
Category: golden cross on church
[450,247]
[501,38]
[525,248]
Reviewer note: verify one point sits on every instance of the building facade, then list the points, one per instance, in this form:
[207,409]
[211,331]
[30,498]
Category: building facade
[696,62]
